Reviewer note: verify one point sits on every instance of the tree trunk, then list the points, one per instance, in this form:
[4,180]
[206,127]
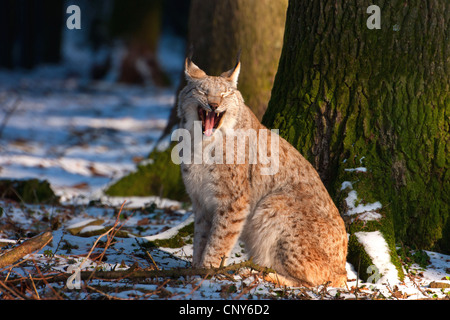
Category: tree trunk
[30,33]
[370,109]
[219,29]
[139,23]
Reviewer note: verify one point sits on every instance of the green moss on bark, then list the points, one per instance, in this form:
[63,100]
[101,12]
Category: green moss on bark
[343,92]
[358,257]
[362,183]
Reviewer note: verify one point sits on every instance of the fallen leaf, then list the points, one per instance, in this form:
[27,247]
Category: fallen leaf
[78,227]
[82,185]
[435,284]
[143,222]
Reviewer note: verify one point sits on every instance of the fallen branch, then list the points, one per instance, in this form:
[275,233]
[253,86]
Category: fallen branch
[28,247]
[148,274]
[176,272]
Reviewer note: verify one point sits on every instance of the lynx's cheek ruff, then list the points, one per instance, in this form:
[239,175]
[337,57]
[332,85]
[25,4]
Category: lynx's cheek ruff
[210,120]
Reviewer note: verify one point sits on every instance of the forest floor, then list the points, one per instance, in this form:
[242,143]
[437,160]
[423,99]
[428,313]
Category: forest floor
[81,137]
[81,243]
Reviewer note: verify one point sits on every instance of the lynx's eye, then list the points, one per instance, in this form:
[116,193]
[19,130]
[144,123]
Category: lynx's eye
[227,93]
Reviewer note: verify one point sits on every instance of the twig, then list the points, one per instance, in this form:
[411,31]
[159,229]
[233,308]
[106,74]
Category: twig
[108,243]
[115,230]
[157,289]
[110,297]
[417,286]
[388,286]
[222,262]
[252,285]
[324,292]
[14,292]
[153,261]
[101,236]
[196,287]
[34,287]
[45,281]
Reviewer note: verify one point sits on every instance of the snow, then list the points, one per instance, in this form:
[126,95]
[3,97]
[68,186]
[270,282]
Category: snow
[79,134]
[376,247]
[81,223]
[172,231]
[373,242]
[360,208]
[365,212]
[91,228]
[359,169]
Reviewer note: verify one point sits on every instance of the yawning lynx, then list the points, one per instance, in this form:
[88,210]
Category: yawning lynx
[287,220]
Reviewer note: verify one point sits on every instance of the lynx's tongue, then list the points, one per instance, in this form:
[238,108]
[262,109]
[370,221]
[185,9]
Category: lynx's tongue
[209,123]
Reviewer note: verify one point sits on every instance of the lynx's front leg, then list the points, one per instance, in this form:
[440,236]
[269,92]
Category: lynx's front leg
[227,224]
[201,233]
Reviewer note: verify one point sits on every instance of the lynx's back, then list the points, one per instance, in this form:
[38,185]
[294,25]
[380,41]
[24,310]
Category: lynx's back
[252,184]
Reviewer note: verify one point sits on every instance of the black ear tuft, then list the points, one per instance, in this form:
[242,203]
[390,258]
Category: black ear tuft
[238,58]
[191,70]
[190,52]
[232,75]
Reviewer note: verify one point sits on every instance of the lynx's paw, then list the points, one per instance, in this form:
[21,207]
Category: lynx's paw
[212,262]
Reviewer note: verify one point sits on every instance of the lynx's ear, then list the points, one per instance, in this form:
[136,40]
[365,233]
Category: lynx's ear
[192,71]
[233,74]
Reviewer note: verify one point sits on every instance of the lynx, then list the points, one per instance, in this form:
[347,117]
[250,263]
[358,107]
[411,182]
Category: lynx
[287,220]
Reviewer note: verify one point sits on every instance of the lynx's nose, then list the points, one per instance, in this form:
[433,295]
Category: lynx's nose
[213,105]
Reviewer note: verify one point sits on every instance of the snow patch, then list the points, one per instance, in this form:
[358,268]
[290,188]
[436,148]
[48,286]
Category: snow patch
[366,211]
[376,247]
[370,215]
[81,223]
[346,184]
[360,208]
[374,243]
[359,169]
[91,228]
[172,231]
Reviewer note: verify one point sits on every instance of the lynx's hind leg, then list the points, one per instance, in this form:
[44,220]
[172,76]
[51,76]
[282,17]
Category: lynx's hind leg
[304,247]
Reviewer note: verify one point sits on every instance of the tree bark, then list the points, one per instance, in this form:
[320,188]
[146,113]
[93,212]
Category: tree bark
[347,97]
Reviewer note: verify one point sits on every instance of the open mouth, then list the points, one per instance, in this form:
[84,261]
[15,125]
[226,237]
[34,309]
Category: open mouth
[210,120]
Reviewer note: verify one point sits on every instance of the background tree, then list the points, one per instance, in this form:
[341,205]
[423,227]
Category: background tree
[349,97]
[139,23]
[218,30]
[30,33]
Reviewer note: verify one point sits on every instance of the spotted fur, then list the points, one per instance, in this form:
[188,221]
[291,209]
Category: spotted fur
[287,220]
